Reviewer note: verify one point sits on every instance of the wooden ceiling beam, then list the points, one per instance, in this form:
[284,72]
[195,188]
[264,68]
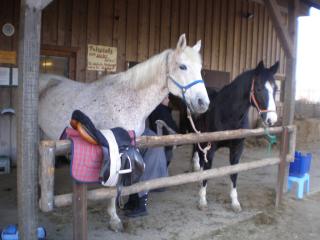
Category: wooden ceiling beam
[280,27]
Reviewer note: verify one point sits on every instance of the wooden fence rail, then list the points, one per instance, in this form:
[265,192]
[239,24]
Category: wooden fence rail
[49,149]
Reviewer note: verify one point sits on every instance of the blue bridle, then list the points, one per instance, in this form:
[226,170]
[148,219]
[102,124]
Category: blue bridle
[186,87]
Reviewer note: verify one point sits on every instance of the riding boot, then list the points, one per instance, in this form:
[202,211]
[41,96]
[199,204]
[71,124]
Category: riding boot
[132,202]
[141,209]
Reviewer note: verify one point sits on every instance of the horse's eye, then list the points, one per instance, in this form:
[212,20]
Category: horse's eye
[183,67]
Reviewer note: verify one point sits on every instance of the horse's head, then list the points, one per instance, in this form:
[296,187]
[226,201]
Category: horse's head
[263,90]
[184,76]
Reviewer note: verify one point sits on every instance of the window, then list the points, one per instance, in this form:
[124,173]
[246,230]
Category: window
[58,60]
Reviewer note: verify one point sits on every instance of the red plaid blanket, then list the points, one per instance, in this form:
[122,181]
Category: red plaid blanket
[86,158]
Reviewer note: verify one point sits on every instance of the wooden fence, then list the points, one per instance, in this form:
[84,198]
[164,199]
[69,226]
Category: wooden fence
[50,149]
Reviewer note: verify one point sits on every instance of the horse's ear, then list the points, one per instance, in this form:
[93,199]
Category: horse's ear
[182,42]
[273,69]
[197,46]
[259,68]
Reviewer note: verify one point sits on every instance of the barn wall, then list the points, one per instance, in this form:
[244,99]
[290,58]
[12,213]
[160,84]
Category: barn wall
[139,29]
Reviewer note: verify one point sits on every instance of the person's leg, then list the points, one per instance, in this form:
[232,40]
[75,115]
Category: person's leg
[155,167]
[132,202]
[141,207]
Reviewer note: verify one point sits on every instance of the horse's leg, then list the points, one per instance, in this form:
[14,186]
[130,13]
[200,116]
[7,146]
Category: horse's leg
[236,150]
[115,222]
[195,165]
[203,204]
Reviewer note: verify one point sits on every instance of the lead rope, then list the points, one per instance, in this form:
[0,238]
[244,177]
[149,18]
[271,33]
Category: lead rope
[203,150]
[183,89]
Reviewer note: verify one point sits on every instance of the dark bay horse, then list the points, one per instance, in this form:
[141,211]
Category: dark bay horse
[229,111]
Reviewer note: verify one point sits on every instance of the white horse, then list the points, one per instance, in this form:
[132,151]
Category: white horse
[125,99]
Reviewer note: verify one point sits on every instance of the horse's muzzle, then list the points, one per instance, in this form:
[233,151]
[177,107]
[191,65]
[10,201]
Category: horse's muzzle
[199,105]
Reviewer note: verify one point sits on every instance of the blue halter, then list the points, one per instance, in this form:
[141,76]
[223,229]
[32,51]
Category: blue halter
[186,87]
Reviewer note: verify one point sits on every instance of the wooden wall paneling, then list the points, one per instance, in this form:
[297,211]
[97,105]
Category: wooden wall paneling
[273,46]
[165,25]
[230,35]
[158,27]
[175,23]
[49,24]
[243,45]
[119,32]
[92,33]
[16,17]
[143,34]
[207,43]
[132,31]
[6,13]
[154,26]
[260,33]
[282,55]
[191,38]
[254,60]
[269,46]
[64,23]
[223,36]
[106,22]
[278,52]
[79,36]
[184,17]
[105,25]
[265,35]
[215,35]
[200,23]
[249,47]
[236,41]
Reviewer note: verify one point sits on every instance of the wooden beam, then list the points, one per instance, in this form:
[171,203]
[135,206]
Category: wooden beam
[27,164]
[282,8]
[290,82]
[46,175]
[63,146]
[279,25]
[105,193]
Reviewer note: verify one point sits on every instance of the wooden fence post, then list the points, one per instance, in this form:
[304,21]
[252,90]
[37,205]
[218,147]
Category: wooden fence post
[282,165]
[46,175]
[79,202]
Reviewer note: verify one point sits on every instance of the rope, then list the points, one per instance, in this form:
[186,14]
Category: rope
[203,150]
[272,139]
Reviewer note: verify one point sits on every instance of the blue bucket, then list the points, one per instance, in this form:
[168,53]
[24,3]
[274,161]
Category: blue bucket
[301,164]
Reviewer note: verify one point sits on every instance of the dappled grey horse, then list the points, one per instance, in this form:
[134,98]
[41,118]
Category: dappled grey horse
[125,99]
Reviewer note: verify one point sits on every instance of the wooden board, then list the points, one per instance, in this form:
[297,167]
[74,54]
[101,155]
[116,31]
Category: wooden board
[8,57]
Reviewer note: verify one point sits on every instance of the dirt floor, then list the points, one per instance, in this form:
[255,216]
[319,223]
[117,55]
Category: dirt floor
[173,214]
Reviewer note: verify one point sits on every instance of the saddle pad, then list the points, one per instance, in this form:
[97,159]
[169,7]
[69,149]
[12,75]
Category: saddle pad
[86,158]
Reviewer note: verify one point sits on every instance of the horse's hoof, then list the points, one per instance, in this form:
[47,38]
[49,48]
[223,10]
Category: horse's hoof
[203,206]
[236,207]
[116,226]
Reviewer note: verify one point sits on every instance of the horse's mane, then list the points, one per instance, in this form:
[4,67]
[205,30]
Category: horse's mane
[140,75]
[241,83]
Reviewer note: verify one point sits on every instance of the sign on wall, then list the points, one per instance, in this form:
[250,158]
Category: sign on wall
[8,57]
[102,58]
